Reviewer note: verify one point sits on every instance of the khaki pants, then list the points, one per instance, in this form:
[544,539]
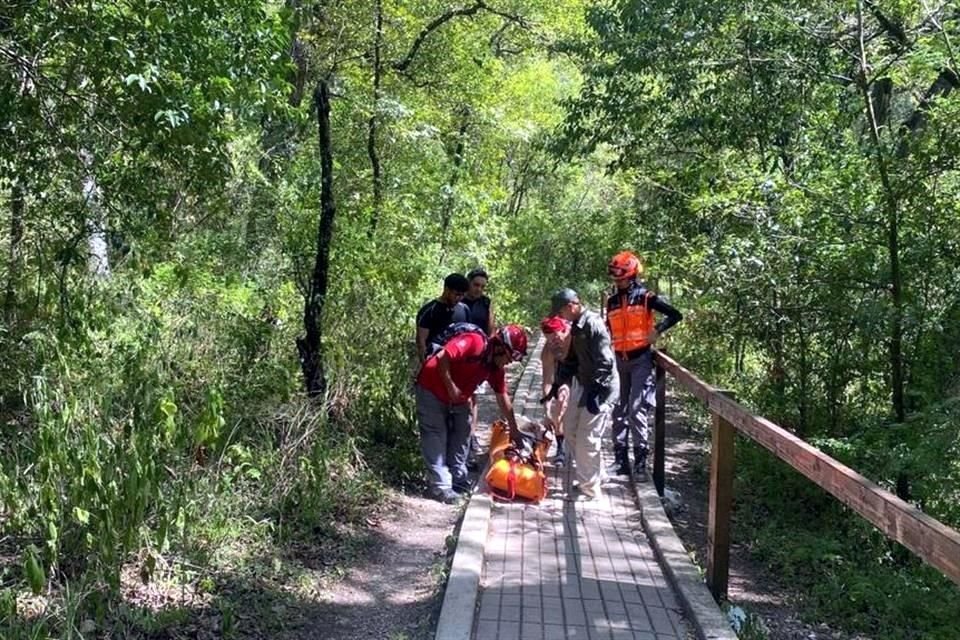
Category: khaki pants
[584,436]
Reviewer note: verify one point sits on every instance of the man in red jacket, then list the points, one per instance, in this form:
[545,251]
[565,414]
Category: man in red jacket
[445,384]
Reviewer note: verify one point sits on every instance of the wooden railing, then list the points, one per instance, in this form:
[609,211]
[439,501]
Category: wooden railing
[935,543]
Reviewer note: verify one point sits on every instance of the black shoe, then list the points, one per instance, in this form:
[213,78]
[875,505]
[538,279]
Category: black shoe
[462,488]
[619,468]
[640,469]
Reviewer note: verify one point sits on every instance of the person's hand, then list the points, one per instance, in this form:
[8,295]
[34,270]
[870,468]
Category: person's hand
[653,337]
[454,392]
[551,394]
[595,397]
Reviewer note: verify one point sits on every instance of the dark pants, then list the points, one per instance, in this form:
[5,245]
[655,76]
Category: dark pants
[637,395]
[444,441]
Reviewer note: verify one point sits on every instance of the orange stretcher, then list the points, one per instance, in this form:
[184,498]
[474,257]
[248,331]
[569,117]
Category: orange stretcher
[511,477]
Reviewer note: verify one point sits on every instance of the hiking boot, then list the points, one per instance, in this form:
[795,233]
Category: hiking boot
[620,466]
[462,488]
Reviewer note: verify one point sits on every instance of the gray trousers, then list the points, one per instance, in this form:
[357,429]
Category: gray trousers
[444,440]
[637,395]
[584,434]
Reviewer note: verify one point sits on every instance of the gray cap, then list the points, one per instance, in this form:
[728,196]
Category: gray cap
[562,298]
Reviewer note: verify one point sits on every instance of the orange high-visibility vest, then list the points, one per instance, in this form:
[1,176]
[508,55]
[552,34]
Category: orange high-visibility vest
[630,320]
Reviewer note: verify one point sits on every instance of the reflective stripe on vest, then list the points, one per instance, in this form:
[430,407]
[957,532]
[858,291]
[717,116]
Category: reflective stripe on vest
[630,324]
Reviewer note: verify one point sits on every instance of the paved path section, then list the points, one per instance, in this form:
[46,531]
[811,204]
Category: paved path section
[565,569]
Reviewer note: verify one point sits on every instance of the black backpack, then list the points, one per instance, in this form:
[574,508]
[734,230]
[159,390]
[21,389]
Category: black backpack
[452,331]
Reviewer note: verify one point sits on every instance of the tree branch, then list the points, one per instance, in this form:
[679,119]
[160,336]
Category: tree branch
[478,5]
[946,81]
[893,29]
[432,26]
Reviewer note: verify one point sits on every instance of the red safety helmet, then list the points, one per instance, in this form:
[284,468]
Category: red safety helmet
[514,338]
[624,265]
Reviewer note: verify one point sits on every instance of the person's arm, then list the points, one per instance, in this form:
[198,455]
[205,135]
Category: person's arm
[423,329]
[443,367]
[491,322]
[422,342]
[548,366]
[506,408]
[671,317]
[557,408]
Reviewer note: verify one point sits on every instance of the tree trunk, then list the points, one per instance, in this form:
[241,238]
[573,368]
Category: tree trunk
[373,122]
[98,260]
[310,346]
[14,261]
[892,205]
[446,212]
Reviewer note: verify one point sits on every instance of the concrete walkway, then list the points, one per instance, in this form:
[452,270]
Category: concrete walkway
[566,569]
[563,569]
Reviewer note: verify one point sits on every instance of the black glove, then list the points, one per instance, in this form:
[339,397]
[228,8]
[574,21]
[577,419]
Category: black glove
[554,388]
[595,397]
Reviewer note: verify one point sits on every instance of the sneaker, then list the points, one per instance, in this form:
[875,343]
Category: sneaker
[462,488]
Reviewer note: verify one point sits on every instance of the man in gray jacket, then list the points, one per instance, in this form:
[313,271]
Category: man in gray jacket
[595,390]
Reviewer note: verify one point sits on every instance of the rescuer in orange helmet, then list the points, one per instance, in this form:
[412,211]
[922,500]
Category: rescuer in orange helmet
[633,330]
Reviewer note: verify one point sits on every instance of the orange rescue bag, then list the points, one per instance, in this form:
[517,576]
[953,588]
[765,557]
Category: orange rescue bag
[510,477]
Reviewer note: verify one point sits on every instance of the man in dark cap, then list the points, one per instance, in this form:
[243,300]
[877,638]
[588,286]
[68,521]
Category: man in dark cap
[438,314]
[594,391]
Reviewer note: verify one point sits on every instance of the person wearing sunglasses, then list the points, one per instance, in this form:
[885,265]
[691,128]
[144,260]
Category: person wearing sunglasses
[445,385]
[634,330]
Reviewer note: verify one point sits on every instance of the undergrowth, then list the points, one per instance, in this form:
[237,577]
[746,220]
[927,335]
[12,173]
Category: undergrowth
[158,444]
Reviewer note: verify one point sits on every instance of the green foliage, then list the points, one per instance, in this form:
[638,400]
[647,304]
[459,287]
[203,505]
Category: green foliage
[851,575]
[787,175]
[153,415]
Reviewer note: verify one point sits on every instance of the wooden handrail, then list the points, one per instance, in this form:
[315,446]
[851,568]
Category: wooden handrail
[932,541]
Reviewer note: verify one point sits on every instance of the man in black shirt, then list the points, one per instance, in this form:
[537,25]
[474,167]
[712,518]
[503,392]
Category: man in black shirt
[437,315]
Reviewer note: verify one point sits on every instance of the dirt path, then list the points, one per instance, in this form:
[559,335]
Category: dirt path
[392,593]
[395,592]
[752,586]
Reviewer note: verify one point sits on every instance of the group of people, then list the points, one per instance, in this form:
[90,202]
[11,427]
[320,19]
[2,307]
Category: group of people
[595,369]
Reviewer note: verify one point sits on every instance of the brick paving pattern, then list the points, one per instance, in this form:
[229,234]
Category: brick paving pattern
[565,569]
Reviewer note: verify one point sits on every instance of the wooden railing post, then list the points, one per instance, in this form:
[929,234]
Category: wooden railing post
[721,505]
[660,428]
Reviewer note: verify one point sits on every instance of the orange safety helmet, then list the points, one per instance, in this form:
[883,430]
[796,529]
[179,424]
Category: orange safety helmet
[514,338]
[624,265]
